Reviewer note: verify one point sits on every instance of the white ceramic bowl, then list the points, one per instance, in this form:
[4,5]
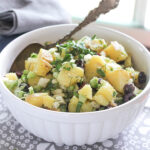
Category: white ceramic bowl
[74,128]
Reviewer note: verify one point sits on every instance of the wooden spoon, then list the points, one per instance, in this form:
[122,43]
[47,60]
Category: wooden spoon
[104,7]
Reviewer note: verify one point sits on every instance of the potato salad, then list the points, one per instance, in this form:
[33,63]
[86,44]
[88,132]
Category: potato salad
[83,75]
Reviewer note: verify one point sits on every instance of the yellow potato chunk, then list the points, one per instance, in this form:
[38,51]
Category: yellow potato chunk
[86,91]
[49,76]
[116,51]
[33,81]
[92,65]
[11,76]
[30,64]
[43,65]
[52,52]
[106,94]
[133,73]
[40,65]
[128,61]
[48,101]
[36,99]
[73,104]
[86,107]
[39,99]
[45,55]
[101,100]
[96,44]
[67,78]
[110,65]
[118,79]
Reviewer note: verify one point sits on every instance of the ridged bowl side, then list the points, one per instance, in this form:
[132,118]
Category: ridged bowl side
[105,126]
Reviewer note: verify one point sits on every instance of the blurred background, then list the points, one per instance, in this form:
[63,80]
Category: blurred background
[131,16]
[133,13]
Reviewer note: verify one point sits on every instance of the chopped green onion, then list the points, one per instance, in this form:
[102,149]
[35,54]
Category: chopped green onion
[82,100]
[67,57]
[24,78]
[76,94]
[34,55]
[101,72]
[10,84]
[93,37]
[63,108]
[114,93]
[57,64]
[71,88]
[79,105]
[102,108]
[67,68]
[81,56]
[119,101]
[50,86]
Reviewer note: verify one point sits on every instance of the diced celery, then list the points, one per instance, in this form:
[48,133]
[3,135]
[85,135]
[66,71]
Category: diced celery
[20,94]
[25,72]
[24,78]
[11,84]
[31,90]
[37,88]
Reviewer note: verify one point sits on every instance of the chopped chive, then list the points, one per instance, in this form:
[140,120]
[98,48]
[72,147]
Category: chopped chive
[101,72]
[70,88]
[93,37]
[76,94]
[114,93]
[67,68]
[102,108]
[63,108]
[67,57]
[33,55]
[82,100]
[119,101]
[79,105]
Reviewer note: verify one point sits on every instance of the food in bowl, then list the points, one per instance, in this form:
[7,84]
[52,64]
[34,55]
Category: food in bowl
[86,75]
